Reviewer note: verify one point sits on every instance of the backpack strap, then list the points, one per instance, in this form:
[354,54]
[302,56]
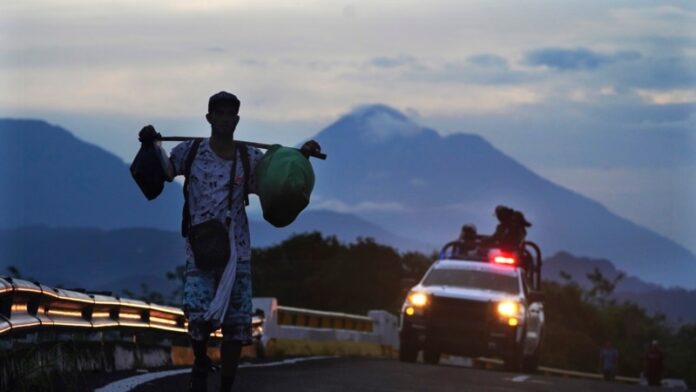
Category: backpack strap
[186,214]
[244,155]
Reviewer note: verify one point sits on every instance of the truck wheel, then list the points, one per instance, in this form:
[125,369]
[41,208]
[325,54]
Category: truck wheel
[431,356]
[530,363]
[408,351]
[513,361]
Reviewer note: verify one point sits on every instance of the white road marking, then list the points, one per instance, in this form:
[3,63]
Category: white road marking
[521,378]
[130,383]
[284,362]
[457,361]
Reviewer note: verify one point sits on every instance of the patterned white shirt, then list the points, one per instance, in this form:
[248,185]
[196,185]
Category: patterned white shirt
[208,190]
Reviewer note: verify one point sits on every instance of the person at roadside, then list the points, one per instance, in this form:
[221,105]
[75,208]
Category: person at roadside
[654,362]
[218,295]
[608,361]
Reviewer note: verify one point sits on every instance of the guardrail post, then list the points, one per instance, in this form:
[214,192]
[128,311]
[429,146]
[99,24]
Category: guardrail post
[269,306]
[386,326]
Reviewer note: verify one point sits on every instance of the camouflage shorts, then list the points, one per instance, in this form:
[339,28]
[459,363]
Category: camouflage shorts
[199,291]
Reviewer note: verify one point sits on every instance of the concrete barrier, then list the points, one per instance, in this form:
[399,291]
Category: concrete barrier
[296,331]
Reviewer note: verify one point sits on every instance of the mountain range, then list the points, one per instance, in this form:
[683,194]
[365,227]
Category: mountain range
[676,304]
[49,177]
[386,177]
[124,258]
[414,182]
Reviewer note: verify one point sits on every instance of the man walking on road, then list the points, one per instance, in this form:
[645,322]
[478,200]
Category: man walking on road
[217,285]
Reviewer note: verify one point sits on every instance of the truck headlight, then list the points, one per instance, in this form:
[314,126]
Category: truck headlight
[508,308]
[418,299]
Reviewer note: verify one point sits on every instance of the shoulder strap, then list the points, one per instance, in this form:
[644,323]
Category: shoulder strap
[244,155]
[186,214]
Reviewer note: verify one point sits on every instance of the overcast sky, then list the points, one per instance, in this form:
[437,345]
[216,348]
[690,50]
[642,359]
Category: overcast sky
[597,96]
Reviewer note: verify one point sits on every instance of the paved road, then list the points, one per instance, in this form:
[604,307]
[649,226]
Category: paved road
[359,374]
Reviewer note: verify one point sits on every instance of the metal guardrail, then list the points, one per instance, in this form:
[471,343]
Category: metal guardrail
[321,319]
[26,305]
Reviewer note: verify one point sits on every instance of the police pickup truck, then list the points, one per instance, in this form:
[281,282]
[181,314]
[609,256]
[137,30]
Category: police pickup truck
[480,302]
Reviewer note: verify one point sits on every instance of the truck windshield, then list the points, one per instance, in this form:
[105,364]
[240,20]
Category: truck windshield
[472,279]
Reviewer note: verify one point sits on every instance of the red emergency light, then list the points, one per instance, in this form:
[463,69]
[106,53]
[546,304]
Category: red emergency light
[500,259]
[499,256]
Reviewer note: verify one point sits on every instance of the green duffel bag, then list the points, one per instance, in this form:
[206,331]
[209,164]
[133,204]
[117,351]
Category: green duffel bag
[285,180]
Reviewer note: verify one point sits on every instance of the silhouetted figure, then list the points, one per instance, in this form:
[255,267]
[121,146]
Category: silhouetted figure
[468,233]
[511,230]
[654,361]
[608,361]
[220,174]
[468,241]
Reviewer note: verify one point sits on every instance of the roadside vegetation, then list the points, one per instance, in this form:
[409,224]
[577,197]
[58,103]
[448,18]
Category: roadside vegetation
[318,272]
[580,321]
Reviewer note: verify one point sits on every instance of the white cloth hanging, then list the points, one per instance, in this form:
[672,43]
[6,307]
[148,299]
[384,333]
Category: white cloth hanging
[220,303]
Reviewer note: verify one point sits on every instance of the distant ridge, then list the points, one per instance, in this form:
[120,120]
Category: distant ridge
[678,305]
[346,227]
[421,185]
[407,185]
[49,177]
[123,258]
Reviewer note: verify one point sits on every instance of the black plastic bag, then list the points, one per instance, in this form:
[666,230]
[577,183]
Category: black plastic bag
[147,171]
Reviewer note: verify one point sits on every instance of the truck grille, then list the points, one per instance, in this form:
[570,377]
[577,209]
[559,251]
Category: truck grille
[459,311]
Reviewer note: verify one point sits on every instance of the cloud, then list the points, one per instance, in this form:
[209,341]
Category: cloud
[63,59]
[658,73]
[480,69]
[477,69]
[665,17]
[364,206]
[667,97]
[393,62]
[575,59]
[488,60]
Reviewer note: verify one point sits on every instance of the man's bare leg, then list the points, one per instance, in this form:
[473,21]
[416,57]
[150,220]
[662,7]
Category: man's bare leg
[230,351]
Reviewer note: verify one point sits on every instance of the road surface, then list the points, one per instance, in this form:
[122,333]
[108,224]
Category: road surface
[362,374]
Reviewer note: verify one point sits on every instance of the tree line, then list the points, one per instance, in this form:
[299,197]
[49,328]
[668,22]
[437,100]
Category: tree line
[580,321]
[317,272]
[320,272]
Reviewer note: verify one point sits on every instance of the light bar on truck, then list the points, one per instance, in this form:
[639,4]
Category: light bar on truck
[509,260]
[502,257]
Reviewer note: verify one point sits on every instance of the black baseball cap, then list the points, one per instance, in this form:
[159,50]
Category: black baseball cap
[223,98]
